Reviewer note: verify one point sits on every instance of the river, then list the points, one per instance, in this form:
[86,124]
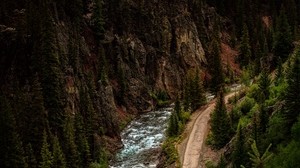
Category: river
[142,140]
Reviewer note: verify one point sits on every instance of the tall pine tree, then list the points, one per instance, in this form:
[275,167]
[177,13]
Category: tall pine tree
[245,48]
[46,155]
[12,152]
[220,123]
[282,44]
[58,155]
[292,97]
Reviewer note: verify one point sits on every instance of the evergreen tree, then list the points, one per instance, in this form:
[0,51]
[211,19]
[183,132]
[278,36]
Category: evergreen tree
[81,141]
[12,152]
[282,44]
[30,157]
[292,97]
[245,48]
[173,128]
[69,145]
[240,151]
[35,116]
[258,160]
[49,67]
[255,127]
[264,83]
[98,20]
[291,14]
[217,79]
[263,118]
[279,76]
[220,123]
[46,155]
[58,155]
[197,92]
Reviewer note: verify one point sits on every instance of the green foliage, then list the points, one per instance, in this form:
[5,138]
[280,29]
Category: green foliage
[239,155]
[193,95]
[288,156]
[246,105]
[46,155]
[234,116]
[170,151]
[98,20]
[161,98]
[263,118]
[51,77]
[258,160]
[173,128]
[245,77]
[82,141]
[292,96]
[30,157]
[220,124]
[245,48]
[12,152]
[196,92]
[276,131]
[215,67]
[264,83]
[58,155]
[282,44]
[69,144]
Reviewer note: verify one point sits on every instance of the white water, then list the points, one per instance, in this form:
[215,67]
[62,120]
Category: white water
[142,140]
[143,137]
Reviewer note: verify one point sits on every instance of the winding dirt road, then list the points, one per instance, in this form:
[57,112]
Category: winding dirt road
[195,134]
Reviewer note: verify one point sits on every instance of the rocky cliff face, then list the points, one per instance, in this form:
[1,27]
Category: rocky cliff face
[147,46]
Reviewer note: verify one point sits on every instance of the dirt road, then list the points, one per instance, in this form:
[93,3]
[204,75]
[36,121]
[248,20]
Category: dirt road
[195,134]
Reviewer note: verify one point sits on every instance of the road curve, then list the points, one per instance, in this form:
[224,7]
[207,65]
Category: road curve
[192,147]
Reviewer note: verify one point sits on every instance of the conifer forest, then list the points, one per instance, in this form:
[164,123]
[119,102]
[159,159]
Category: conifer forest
[76,75]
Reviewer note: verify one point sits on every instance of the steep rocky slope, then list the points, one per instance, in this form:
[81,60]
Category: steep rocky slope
[53,58]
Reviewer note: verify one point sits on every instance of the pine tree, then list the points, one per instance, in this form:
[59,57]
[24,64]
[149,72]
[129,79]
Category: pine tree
[58,155]
[263,118]
[282,44]
[173,128]
[12,152]
[217,78]
[46,155]
[81,141]
[69,145]
[245,48]
[98,20]
[197,92]
[292,97]
[220,123]
[291,14]
[35,116]
[264,83]
[30,157]
[258,160]
[239,152]
[49,67]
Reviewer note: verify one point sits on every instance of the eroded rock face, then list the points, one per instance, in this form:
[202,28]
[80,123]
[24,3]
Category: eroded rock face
[158,43]
[147,46]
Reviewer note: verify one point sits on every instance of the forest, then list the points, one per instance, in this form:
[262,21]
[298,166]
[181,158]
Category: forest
[74,73]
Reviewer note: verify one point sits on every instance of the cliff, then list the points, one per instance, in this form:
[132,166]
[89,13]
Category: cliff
[55,51]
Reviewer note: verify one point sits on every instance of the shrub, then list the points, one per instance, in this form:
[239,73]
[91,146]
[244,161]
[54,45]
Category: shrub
[247,105]
[170,151]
